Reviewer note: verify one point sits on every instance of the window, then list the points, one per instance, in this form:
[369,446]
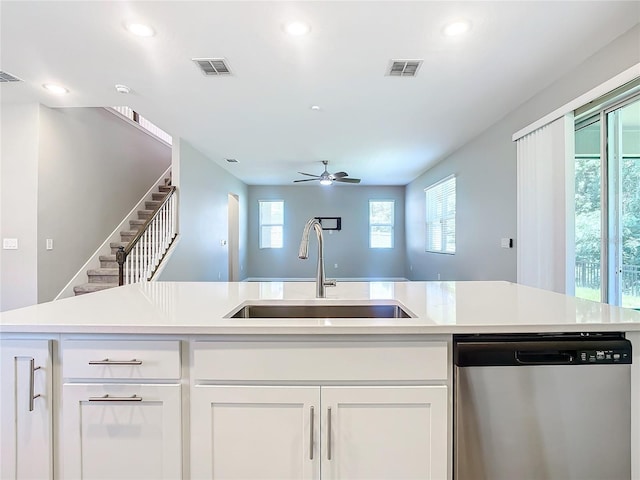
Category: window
[441,216]
[381,213]
[271,223]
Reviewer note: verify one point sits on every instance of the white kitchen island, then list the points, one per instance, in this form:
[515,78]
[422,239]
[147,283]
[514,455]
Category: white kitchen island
[155,380]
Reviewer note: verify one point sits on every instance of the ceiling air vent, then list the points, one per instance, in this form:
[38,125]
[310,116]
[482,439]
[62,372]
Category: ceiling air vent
[404,68]
[213,66]
[5,77]
[232,160]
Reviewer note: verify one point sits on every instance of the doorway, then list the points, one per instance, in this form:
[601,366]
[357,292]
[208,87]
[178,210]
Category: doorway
[233,206]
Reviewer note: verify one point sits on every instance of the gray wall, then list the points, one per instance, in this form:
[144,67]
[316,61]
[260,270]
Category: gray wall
[93,168]
[203,219]
[486,178]
[19,205]
[349,247]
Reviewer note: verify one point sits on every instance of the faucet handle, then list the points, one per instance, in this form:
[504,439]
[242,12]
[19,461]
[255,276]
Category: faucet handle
[330,283]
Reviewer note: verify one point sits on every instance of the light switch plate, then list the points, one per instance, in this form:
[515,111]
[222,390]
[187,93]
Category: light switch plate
[506,242]
[49,243]
[10,243]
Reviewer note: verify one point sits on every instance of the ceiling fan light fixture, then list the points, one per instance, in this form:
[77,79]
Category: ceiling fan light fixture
[326,178]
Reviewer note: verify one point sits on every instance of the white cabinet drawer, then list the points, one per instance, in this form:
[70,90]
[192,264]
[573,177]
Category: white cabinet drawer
[121,431]
[322,360]
[121,359]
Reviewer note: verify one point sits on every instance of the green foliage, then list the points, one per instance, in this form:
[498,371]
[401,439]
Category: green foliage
[588,220]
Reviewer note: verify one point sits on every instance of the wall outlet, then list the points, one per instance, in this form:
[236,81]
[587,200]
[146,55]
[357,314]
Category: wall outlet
[335,265]
[10,243]
[438,276]
[411,268]
[219,276]
[49,244]
[223,243]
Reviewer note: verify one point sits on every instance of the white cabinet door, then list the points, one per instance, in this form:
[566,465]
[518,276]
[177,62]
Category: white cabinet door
[132,433]
[255,432]
[25,431]
[384,433]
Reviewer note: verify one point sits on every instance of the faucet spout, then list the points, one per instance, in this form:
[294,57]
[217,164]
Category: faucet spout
[303,253]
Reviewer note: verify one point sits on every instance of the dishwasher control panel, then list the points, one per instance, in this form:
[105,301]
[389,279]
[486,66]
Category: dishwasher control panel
[550,349]
[604,356]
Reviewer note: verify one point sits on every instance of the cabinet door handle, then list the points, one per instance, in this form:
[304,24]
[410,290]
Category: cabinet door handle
[107,398]
[106,361]
[32,371]
[329,433]
[311,422]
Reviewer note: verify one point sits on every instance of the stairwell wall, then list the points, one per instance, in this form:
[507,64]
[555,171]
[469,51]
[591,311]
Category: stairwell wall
[93,167]
[19,204]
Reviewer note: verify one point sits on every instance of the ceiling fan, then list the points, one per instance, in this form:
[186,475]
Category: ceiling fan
[327,178]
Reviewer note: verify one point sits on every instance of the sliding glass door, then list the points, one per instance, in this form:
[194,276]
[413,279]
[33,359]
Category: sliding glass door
[623,154]
[607,184]
[588,206]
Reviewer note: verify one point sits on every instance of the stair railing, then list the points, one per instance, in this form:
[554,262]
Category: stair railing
[138,261]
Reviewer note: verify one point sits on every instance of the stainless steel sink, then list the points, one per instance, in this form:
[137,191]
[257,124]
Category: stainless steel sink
[321,311]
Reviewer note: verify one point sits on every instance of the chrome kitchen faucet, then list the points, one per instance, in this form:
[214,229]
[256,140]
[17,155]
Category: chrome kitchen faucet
[303,253]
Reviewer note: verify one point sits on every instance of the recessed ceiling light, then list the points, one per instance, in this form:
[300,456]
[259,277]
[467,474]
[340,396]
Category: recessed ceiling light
[141,30]
[122,89]
[297,28]
[55,89]
[457,28]
[315,107]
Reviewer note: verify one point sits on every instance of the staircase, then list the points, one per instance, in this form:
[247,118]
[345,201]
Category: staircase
[107,275]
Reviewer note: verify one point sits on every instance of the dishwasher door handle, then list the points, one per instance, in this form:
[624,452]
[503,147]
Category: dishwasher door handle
[524,357]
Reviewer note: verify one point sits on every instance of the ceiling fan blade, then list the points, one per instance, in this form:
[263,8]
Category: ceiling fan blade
[340,174]
[306,180]
[347,180]
[309,175]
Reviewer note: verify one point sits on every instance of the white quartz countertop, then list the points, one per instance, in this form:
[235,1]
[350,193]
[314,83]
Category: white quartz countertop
[437,308]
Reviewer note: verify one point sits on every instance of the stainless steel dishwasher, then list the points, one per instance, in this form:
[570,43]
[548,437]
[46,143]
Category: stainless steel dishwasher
[552,407]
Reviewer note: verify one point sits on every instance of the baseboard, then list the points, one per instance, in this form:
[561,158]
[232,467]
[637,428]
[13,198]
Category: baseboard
[346,279]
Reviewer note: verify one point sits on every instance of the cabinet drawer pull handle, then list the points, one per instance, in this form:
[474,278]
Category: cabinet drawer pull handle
[107,398]
[106,361]
[32,371]
[311,420]
[329,433]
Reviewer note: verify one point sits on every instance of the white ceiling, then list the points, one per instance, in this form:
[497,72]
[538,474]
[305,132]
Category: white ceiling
[385,130]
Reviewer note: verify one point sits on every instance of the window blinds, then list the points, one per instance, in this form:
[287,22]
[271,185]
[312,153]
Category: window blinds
[441,216]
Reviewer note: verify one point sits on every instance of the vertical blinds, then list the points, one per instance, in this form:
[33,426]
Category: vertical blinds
[544,195]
